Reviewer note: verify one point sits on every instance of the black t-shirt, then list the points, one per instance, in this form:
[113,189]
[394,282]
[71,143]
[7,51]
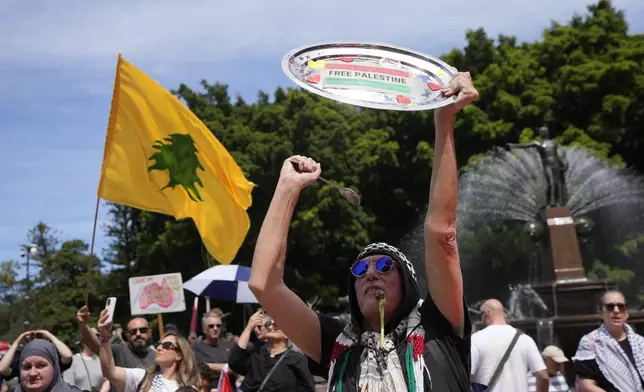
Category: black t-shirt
[447,355]
[292,373]
[589,369]
[213,353]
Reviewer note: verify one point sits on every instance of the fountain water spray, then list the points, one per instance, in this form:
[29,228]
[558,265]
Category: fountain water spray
[508,186]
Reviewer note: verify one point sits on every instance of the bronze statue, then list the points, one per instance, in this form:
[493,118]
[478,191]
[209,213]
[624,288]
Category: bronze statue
[554,167]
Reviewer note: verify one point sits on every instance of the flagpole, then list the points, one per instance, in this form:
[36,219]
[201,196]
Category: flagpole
[110,125]
[90,261]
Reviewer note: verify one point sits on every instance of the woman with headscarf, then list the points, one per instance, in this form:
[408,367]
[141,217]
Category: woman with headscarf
[274,366]
[10,364]
[40,369]
[175,364]
[396,341]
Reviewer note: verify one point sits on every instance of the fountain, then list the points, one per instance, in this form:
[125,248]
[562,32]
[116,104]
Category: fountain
[553,193]
[565,199]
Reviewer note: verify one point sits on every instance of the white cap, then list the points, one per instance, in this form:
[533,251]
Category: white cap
[555,353]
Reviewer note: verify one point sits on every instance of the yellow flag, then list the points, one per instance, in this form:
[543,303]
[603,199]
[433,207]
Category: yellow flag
[160,157]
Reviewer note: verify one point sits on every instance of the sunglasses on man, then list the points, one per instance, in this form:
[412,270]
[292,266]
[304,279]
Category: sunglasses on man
[211,326]
[142,330]
[612,305]
[383,264]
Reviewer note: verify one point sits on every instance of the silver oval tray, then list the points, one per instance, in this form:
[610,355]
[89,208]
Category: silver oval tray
[371,75]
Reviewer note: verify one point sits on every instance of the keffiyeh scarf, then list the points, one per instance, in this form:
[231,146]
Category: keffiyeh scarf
[380,368]
[601,346]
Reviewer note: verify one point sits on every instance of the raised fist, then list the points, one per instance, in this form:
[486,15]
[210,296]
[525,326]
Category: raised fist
[82,316]
[298,172]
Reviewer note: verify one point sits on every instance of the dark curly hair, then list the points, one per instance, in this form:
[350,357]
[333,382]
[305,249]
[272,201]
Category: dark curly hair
[206,372]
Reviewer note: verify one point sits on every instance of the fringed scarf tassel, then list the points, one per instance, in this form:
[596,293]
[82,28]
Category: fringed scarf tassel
[415,363]
[413,360]
[344,361]
[410,366]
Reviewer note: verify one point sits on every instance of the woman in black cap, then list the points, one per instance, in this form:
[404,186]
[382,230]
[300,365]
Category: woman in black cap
[396,341]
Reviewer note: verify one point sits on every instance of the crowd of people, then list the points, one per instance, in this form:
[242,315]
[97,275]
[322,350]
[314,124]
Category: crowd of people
[609,358]
[398,338]
[261,358]
[110,360]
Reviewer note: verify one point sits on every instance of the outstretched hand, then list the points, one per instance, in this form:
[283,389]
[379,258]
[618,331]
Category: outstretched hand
[307,173]
[460,86]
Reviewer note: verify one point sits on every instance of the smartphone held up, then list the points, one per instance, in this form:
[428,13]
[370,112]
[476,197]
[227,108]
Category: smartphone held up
[110,305]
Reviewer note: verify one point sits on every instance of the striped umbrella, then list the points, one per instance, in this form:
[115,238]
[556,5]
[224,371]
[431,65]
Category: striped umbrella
[223,282]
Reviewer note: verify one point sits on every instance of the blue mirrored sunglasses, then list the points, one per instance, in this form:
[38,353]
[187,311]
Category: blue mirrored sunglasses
[360,267]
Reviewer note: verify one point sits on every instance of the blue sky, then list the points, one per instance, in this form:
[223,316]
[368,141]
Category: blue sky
[57,63]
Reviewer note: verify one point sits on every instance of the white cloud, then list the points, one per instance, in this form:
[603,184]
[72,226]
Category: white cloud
[68,48]
[57,62]
[90,33]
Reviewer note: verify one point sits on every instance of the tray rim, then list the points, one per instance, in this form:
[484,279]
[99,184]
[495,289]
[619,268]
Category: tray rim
[373,105]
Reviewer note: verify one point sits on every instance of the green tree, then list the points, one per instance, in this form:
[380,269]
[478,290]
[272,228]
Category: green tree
[61,290]
[56,290]
[9,299]
[582,79]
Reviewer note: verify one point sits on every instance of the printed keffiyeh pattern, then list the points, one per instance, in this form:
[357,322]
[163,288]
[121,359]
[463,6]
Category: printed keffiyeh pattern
[380,368]
[601,346]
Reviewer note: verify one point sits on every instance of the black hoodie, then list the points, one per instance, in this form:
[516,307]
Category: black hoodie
[447,356]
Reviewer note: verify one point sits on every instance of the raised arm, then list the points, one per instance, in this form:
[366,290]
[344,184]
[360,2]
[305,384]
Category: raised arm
[442,264]
[115,375]
[239,361]
[5,362]
[254,321]
[523,145]
[88,338]
[106,387]
[64,351]
[563,160]
[294,317]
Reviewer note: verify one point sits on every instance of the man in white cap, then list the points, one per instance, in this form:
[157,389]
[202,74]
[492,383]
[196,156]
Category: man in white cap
[554,358]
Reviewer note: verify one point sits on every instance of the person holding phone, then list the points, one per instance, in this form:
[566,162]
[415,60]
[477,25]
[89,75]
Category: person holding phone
[135,354]
[174,367]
